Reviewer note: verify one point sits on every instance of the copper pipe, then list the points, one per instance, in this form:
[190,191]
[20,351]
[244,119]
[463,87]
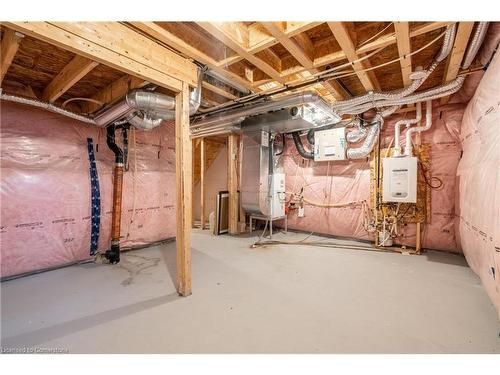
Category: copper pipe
[117,204]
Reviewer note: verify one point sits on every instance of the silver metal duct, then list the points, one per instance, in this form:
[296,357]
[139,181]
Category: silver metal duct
[357,134]
[148,106]
[143,121]
[234,116]
[367,146]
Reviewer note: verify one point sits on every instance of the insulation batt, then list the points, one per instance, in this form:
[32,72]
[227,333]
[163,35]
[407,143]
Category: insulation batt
[45,189]
[347,181]
[478,201]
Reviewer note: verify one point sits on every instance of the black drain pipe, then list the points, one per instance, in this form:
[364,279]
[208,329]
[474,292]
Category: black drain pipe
[300,147]
[113,254]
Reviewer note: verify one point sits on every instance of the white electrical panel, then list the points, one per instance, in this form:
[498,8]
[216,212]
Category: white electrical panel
[277,195]
[330,144]
[399,180]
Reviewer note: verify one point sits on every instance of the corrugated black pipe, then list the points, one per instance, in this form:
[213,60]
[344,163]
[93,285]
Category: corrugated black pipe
[310,133]
[300,147]
[283,145]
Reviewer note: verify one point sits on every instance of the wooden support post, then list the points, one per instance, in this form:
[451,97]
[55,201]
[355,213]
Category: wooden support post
[418,245]
[183,179]
[242,227]
[202,182]
[232,183]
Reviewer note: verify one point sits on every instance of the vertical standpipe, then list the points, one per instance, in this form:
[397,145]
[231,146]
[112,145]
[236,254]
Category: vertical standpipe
[113,254]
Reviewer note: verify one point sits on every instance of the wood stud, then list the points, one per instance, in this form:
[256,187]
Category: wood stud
[183,177]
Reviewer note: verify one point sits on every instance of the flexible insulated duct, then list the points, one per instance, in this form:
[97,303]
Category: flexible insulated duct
[436,92]
[343,106]
[475,44]
[369,142]
[357,134]
[47,106]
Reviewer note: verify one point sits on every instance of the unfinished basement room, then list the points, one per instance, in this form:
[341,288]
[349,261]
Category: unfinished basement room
[250,187]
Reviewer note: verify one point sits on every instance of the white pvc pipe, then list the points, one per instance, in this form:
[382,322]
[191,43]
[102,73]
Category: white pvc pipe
[428,123]
[408,123]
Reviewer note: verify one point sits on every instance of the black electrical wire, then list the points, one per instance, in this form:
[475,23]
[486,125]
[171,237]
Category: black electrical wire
[283,143]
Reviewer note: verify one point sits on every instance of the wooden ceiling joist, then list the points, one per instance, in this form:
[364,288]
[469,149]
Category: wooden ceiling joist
[457,53]
[226,37]
[75,70]
[341,34]
[218,90]
[156,31]
[404,49]
[300,54]
[10,44]
[131,53]
[114,91]
[380,42]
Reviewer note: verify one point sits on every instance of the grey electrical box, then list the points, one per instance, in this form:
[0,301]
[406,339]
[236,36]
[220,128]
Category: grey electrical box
[330,144]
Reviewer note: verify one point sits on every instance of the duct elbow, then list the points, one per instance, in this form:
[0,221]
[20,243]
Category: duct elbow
[357,134]
[144,121]
[367,146]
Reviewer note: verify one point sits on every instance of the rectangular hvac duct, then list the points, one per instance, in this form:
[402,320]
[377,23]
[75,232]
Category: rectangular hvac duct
[288,120]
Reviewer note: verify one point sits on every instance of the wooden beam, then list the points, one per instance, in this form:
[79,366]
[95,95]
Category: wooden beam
[114,91]
[383,41]
[218,90]
[259,40]
[300,54]
[341,34]
[457,53]
[203,156]
[74,71]
[9,47]
[159,33]
[117,46]
[232,183]
[183,177]
[220,33]
[404,49]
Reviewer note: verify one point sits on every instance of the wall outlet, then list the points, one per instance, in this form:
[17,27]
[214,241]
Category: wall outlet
[301,212]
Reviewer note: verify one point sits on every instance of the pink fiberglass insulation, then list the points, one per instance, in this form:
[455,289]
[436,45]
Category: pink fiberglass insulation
[45,189]
[349,181]
[478,208]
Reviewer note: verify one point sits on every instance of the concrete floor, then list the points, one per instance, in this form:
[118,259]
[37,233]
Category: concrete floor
[281,299]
